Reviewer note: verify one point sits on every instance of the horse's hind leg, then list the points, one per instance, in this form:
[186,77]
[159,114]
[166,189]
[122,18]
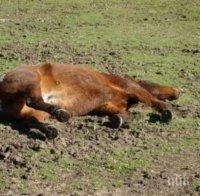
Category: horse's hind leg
[117,112]
[159,91]
[136,92]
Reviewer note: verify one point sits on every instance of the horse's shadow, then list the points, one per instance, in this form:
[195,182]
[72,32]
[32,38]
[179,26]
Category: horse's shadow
[36,133]
[153,118]
[21,128]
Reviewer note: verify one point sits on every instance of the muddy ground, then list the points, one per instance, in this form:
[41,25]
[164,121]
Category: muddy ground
[154,40]
[33,164]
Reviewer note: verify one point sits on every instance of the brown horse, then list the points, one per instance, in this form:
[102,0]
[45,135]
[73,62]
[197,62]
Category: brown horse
[61,91]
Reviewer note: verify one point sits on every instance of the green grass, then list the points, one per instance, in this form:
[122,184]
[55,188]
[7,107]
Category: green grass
[196,185]
[141,38]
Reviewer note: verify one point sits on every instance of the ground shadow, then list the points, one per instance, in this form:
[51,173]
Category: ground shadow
[25,130]
[153,118]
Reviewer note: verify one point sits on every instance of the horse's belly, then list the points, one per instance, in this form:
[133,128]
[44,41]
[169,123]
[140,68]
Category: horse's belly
[53,97]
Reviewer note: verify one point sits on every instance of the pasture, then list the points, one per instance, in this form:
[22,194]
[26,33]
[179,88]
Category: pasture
[157,40]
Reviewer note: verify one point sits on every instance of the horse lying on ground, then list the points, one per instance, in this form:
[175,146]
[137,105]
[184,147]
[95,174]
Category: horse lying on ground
[35,93]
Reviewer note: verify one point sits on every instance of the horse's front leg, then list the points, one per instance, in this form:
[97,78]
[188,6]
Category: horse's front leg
[34,100]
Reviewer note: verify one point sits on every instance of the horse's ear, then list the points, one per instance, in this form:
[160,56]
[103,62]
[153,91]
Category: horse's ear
[2,77]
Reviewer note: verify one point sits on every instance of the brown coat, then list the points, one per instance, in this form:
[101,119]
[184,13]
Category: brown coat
[58,90]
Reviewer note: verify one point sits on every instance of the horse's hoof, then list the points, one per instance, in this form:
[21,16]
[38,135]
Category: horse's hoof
[116,121]
[51,132]
[62,115]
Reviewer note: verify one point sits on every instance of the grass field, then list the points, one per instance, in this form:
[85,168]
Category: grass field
[158,40]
